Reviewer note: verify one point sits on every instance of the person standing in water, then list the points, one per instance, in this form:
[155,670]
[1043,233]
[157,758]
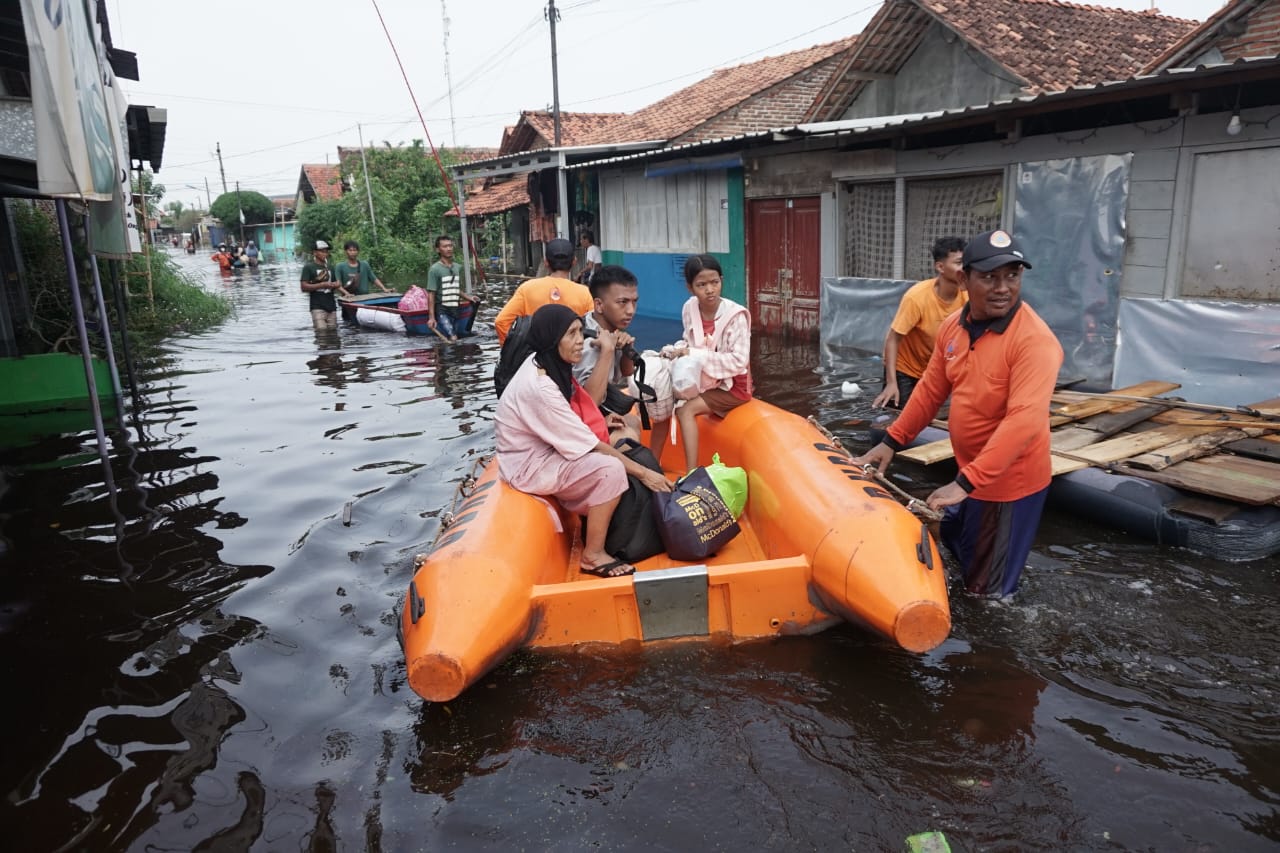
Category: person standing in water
[356,275]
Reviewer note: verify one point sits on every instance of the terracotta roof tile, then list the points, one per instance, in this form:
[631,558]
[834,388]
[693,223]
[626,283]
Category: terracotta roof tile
[1046,44]
[325,180]
[496,198]
[680,114]
[1053,45]
[536,129]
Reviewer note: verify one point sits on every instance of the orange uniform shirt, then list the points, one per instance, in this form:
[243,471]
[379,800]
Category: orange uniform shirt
[920,313]
[535,293]
[1000,387]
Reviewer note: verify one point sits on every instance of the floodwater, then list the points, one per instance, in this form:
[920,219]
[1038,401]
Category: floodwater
[206,659]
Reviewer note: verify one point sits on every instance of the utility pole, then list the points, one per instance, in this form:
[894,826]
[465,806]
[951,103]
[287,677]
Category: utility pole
[367,188]
[207,197]
[552,15]
[448,79]
[241,209]
[223,171]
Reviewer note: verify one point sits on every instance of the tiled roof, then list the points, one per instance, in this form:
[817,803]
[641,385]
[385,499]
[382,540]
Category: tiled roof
[1054,45]
[496,198]
[536,129]
[325,180]
[1047,44]
[1243,28]
[680,114]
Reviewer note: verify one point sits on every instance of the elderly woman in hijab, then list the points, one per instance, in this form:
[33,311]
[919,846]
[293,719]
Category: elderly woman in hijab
[553,441]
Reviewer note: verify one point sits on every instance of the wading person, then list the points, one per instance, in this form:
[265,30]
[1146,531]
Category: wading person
[552,440]
[555,288]
[909,342]
[318,281]
[356,275]
[451,312]
[593,258]
[998,362]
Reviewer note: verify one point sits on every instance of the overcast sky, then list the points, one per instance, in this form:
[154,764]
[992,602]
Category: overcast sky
[279,83]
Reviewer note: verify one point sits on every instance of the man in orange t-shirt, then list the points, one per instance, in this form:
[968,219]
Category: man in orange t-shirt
[555,288]
[909,342]
[998,362]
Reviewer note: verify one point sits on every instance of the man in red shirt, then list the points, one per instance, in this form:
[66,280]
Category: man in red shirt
[998,361]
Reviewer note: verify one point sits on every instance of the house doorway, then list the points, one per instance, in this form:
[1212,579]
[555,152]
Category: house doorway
[783,263]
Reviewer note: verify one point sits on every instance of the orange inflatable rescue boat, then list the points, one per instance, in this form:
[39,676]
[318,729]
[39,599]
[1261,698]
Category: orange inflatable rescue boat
[820,544]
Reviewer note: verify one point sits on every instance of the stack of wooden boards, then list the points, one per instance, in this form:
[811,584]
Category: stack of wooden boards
[1232,454]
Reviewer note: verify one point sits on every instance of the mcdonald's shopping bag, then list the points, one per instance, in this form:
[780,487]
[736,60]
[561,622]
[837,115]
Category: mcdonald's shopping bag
[692,518]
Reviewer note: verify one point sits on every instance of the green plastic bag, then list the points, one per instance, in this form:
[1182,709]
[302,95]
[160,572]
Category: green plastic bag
[731,483]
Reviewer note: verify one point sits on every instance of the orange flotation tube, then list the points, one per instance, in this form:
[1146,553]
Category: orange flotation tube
[821,543]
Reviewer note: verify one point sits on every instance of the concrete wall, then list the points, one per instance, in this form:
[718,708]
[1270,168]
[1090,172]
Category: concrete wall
[943,72]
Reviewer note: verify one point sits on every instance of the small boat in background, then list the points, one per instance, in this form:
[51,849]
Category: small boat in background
[820,544]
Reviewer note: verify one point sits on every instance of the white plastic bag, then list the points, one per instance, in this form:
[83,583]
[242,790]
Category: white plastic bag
[686,376]
[657,375]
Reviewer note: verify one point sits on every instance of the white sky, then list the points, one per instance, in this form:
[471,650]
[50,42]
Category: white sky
[279,83]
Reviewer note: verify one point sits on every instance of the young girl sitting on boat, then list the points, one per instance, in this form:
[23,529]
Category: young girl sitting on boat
[553,442]
[718,331]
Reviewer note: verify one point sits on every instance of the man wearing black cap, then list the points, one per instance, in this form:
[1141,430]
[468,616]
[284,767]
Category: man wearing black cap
[998,361]
[554,288]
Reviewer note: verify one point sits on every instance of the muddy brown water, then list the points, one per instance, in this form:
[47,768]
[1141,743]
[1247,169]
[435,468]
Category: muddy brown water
[206,660]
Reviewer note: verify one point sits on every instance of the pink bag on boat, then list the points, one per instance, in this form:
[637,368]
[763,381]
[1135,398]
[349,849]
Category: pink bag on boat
[414,299]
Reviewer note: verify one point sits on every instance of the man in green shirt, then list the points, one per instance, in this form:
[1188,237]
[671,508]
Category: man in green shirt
[318,281]
[356,275]
[451,311]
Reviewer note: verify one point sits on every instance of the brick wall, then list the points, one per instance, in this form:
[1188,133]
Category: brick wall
[1260,38]
[780,106]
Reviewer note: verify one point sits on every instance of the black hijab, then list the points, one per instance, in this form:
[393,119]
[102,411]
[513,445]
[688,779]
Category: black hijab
[546,328]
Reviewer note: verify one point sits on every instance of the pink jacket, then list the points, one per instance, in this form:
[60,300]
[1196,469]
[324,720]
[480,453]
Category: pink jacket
[727,351]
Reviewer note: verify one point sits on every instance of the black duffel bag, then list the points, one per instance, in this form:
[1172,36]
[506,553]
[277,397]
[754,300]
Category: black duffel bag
[633,534]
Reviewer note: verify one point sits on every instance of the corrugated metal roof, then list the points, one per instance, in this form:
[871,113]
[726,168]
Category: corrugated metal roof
[877,123]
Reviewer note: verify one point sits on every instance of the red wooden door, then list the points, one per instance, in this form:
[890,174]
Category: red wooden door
[783,287]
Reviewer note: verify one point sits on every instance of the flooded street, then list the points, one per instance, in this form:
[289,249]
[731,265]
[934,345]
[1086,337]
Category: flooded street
[207,659]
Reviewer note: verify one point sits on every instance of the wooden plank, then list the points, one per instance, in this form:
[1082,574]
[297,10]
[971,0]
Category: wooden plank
[1113,450]
[1266,410]
[1210,509]
[927,454]
[1189,448]
[1262,447]
[1077,404]
[1255,485]
[1110,423]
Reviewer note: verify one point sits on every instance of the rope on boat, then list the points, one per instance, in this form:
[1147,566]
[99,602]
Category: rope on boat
[917,507]
[465,488]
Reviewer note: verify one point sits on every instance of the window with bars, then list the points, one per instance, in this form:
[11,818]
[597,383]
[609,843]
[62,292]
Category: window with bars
[869,230]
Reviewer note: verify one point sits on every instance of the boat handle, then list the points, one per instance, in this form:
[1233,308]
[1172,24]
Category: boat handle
[417,604]
[923,552]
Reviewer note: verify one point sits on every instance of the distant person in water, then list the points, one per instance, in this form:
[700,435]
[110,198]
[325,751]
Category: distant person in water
[319,282]
[223,257]
[251,254]
[357,276]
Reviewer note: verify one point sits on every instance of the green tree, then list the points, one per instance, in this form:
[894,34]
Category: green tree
[144,184]
[256,206]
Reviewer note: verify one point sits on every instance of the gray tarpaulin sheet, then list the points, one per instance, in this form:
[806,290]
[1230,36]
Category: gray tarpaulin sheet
[856,312]
[1223,353]
[1069,217]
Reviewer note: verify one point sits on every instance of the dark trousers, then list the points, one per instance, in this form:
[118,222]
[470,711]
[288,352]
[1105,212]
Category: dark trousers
[992,539]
